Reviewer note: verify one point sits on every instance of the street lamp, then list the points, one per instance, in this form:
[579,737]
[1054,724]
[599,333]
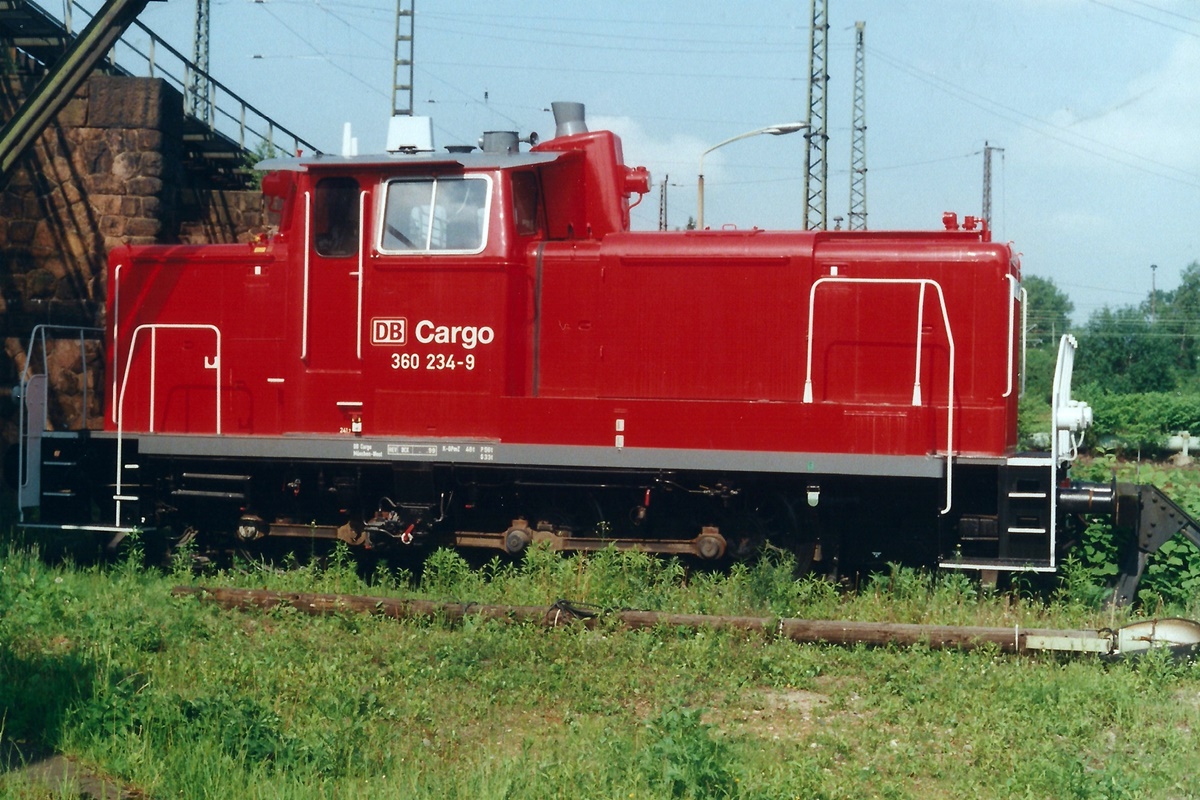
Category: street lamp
[774,130]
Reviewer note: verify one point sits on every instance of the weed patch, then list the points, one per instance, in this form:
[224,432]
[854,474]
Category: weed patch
[683,759]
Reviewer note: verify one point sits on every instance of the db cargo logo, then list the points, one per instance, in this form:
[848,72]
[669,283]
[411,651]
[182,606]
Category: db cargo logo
[389,331]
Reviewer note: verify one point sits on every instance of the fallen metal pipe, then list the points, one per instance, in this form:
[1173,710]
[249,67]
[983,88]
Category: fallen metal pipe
[1178,634]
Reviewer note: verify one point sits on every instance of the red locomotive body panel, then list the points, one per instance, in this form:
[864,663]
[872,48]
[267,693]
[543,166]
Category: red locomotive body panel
[184,321]
[693,340]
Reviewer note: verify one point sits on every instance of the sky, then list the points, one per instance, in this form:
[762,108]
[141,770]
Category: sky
[1095,104]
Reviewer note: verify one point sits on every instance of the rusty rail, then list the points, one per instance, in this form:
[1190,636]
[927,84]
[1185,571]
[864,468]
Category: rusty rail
[1172,633]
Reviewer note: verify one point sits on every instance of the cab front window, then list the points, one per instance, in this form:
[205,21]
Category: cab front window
[437,214]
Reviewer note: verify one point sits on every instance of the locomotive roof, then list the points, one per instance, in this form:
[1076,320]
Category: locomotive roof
[479,160]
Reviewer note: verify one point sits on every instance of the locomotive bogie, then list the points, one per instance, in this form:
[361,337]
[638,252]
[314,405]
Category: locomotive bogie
[842,522]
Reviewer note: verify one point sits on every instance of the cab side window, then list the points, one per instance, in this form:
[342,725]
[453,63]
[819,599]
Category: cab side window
[525,196]
[335,217]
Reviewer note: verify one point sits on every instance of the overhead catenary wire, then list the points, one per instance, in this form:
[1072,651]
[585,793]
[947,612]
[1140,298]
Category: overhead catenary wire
[1058,133]
[579,40]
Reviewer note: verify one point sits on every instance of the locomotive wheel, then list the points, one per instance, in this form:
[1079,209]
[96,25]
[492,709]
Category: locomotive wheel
[710,546]
[250,528]
[516,540]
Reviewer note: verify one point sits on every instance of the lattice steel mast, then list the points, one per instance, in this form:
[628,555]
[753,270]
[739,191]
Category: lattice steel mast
[987,182]
[817,167]
[198,90]
[858,137]
[402,71]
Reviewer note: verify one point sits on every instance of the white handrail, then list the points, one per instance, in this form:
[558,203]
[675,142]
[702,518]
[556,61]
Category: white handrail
[116,329]
[1014,295]
[916,396]
[214,364]
[38,334]
[1024,336]
[362,248]
[307,252]
[922,283]
[1060,395]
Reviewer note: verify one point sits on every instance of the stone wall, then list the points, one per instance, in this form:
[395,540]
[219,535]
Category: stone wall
[109,170]
[208,216]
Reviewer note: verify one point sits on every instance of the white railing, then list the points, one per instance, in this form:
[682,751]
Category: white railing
[362,254]
[1024,337]
[34,382]
[227,112]
[38,337]
[1014,293]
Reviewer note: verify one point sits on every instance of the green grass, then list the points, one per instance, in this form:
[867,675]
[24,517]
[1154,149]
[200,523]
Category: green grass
[178,698]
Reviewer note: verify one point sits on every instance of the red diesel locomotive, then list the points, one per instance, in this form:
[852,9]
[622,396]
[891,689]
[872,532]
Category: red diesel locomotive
[473,348]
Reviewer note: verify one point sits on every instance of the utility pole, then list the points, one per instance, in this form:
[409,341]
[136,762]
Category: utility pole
[1153,293]
[987,182]
[402,69]
[197,94]
[816,166]
[662,203]
[858,136]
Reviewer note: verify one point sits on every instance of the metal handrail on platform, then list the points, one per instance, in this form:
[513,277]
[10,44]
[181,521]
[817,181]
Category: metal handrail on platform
[236,120]
[217,90]
[33,381]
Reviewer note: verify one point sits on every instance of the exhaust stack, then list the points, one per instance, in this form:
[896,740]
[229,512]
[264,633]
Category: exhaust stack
[568,118]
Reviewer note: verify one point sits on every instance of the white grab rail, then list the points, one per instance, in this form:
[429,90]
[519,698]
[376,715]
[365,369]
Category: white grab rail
[214,364]
[116,333]
[307,254]
[362,254]
[1067,417]
[922,283]
[29,431]
[1014,295]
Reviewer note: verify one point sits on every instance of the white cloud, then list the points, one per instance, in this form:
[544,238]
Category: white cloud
[678,153]
[1149,125]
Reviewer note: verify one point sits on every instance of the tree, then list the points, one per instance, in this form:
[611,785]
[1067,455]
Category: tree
[1048,311]
[1048,315]
[1121,352]
[1177,317]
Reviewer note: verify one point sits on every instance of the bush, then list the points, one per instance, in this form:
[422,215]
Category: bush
[1139,422]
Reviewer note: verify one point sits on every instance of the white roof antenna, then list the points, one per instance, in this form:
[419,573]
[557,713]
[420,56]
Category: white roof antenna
[349,141]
